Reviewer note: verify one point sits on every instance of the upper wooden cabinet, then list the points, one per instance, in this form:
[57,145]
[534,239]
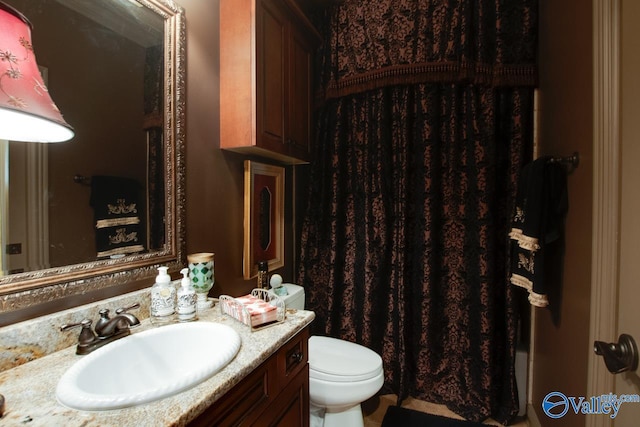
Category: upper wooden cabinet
[266,79]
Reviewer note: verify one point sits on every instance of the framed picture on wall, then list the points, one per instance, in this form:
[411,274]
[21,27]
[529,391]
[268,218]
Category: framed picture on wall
[263,217]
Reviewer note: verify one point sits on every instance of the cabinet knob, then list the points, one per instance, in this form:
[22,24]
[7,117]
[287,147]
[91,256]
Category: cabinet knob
[296,357]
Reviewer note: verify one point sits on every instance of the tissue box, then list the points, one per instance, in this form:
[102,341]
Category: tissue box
[256,309]
[259,310]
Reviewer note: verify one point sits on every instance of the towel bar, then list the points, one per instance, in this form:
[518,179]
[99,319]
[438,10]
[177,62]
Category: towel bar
[571,162]
[82,180]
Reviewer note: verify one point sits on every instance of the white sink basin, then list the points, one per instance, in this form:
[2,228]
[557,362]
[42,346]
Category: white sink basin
[148,366]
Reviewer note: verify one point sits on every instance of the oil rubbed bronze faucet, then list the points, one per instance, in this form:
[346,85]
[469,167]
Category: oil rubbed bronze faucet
[106,330]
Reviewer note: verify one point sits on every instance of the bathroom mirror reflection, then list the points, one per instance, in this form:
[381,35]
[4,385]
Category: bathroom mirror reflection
[115,70]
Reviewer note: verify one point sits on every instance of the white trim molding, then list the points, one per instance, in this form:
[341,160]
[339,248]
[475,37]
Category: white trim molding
[606,190]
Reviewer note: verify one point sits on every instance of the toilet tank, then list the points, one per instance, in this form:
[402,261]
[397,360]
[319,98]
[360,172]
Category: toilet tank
[295,297]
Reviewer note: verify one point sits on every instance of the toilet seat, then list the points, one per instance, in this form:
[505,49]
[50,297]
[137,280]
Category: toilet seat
[335,360]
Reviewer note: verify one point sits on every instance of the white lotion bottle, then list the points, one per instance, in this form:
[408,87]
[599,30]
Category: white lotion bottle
[186,298]
[163,299]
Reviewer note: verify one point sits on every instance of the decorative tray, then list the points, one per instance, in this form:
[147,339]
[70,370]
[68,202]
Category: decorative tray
[258,310]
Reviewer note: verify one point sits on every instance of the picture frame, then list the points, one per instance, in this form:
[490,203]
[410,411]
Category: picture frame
[263,217]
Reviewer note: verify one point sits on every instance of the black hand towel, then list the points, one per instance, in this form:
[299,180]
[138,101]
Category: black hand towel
[116,212]
[538,220]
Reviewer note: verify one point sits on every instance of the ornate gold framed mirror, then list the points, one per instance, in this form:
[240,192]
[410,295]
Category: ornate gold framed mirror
[117,71]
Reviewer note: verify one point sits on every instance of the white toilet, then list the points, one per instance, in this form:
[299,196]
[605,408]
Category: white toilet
[342,374]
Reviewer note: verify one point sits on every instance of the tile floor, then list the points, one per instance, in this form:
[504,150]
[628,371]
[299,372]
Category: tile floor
[375,408]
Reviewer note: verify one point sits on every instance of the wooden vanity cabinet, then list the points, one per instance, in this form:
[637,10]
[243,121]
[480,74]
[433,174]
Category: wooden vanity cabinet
[274,394]
[266,79]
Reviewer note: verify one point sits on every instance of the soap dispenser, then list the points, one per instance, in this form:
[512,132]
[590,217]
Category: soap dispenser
[163,299]
[186,298]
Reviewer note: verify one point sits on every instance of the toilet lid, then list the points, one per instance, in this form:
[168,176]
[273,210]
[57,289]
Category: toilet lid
[338,360]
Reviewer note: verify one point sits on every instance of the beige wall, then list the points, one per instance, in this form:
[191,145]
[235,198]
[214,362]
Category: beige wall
[561,342]
[215,177]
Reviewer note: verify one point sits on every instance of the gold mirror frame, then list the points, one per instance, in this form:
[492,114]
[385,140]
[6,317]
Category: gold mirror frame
[24,290]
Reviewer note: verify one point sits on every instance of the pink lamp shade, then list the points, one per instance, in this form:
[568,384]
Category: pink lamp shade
[27,112]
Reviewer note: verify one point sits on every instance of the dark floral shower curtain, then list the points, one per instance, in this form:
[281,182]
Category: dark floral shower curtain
[426,120]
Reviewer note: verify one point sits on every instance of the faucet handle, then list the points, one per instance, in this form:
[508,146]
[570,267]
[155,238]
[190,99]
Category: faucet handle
[102,321]
[125,309]
[86,323]
[86,334]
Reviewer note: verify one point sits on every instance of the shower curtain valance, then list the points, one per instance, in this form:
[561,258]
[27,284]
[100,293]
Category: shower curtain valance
[374,44]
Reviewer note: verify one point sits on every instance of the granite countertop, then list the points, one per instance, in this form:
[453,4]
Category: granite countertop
[29,389]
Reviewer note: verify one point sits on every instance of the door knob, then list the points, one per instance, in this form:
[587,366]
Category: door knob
[618,357]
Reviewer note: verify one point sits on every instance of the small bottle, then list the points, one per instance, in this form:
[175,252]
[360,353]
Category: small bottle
[163,299]
[186,298]
[263,275]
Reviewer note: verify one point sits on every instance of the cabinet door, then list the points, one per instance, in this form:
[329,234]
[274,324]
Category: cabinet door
[291,408]
[271,54]
[266,79]
[300,94]
[242,404]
